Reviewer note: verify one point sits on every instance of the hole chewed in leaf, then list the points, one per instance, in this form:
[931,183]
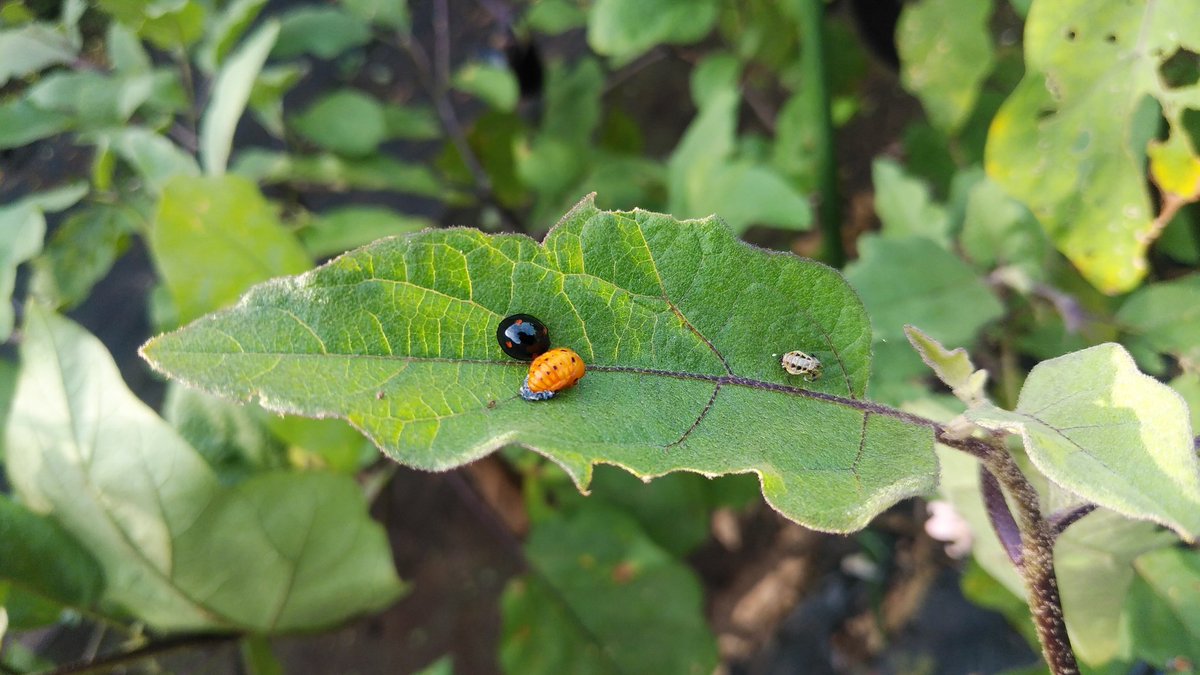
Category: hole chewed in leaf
[1190,125]
[1182,69]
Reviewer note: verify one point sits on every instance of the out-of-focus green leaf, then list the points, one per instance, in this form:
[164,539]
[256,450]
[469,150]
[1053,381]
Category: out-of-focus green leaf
[623,29]
[346,122]
[22,122]
[905,207]
[322,31]
[95,100]
[8,382]
[411,122]
[80,252]
[125,50]
[337,445]
[226,30]
[22,229]
[172,25]
[336,173]
[704,176]
[389,13]
[230,437]
[797,132]
[603,598]
[1181,240]
[914,281]
[266,98]
[680,314]
[1096,426]
[30,48]
[157,159]
[946,53]
[554,16]
[1188,386]
[1097,553]
[673,510]
[555,160]
[340,230]
[1164,606]
[493,84]
[280,552]
[1166,316]
[215,237]
[1067,142]
[258,658]
[998,230]
[43,559]
[231,92]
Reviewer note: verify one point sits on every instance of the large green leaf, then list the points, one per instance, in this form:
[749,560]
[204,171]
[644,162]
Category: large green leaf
[1095,425]
[912,280]
[1066,142]
[214,237]
[1164,609]
[681,325]
[30,48]
[601,601]
[904,205]
[1166,316]
[279,552]
[39,557]
[946,51]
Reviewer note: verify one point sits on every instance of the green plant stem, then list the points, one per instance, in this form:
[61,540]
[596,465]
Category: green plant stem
[1037,551]
[816,78]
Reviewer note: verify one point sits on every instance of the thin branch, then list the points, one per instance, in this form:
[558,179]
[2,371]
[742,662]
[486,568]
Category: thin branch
[436,87]
[1000,515]
[110,662]
[1061,520]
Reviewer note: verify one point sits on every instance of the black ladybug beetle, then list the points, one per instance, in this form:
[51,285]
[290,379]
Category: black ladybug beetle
[523,337]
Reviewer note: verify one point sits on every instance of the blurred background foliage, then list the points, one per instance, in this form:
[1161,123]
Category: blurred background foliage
[1017,178]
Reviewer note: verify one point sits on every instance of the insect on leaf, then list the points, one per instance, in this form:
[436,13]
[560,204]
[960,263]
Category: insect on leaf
[681,327]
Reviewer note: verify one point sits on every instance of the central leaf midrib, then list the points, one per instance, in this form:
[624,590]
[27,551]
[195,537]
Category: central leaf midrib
[726,379]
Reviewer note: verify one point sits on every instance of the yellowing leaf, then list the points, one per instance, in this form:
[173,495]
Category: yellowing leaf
[1070,142]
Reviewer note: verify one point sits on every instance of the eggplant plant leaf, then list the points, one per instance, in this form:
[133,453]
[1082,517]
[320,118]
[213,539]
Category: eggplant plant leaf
[1069,142]
[681,325]
[1095,425]
[278,552]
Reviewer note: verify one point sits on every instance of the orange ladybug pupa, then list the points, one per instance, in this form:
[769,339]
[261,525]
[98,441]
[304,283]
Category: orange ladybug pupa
[552,372]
